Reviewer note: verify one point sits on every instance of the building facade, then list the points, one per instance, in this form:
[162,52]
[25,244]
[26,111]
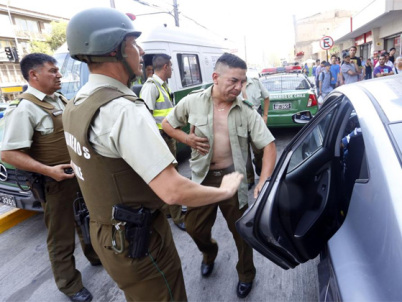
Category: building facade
[17,28]
[309,31]
[376,27]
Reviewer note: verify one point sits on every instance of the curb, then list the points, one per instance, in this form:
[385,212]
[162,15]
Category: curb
[13,217]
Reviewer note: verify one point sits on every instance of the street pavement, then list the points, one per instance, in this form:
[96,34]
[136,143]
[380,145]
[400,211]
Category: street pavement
[25,273]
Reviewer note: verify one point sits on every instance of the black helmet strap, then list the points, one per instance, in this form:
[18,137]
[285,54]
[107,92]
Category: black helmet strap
[121,56]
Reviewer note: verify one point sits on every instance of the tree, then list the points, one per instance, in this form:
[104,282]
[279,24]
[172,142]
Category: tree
[53,41]
[58,35]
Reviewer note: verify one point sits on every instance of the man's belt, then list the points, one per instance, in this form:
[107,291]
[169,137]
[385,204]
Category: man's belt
[221,172]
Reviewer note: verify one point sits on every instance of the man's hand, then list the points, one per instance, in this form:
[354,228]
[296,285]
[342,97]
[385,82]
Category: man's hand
[200,144]
[231,182]
[265,118]
[58,173]
[258,188]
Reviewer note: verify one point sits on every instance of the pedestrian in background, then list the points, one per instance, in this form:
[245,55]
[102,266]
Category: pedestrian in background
[387,62]
[223,122]
[124,168]
[368,70]
[350,71]
[335,70]
[317,73]
[34,141]
[375,58]
[391,55]
[325,82]
[382,70]
[317,63]
[398,66]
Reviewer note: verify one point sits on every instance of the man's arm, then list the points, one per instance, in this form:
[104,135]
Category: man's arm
[23,161]
[173,188]
[199,143]
[266,107]
[268,165]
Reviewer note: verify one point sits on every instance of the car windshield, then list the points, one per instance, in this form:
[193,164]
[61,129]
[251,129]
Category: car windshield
[285,83]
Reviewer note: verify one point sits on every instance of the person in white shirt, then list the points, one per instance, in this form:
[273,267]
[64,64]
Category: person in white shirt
[398,66]
[387,60]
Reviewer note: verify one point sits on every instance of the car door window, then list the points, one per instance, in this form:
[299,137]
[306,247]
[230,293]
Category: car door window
[311,144]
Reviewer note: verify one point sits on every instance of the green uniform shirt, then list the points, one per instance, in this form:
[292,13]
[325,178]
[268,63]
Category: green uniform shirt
[124,130]
[256,92]
[27,118]
[243,121]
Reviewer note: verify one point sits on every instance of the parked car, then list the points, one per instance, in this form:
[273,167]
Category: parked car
[336,191]
[289,94]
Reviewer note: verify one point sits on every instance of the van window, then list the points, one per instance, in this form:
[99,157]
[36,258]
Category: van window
[189,67]
[75,74]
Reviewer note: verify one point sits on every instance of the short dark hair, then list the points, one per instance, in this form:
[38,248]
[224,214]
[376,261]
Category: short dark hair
[33,61]
[393,48]
[230,60]
[160,60]
[353,47]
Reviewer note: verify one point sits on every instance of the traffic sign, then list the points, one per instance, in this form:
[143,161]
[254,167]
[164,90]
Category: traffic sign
[326,42]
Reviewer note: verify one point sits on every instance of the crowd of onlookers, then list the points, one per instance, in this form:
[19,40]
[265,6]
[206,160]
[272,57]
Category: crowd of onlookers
[337,72]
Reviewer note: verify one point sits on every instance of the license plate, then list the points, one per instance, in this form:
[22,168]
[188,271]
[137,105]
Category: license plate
[282,106]
[8,200]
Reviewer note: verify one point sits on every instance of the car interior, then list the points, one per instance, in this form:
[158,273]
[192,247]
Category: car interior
[315,189]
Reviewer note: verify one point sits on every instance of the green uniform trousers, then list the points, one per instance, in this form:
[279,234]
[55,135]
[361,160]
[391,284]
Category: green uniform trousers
[199,222]
[61,226]
[175,211]
[258,154]
[157,277]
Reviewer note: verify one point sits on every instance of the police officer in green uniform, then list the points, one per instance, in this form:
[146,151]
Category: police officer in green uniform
[34,141]
[220,126]
[159,99]
[124,168]
[254,92]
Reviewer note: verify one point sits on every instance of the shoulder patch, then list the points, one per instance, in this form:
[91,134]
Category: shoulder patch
[14,103]
[249,104]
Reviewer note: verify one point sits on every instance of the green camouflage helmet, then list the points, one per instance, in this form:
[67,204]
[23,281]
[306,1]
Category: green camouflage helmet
[98,32]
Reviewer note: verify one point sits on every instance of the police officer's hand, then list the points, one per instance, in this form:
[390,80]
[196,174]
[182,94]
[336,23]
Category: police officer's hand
[200,144]
[58,172]
[231,182]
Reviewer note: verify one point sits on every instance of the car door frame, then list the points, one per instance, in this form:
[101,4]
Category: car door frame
[274,246]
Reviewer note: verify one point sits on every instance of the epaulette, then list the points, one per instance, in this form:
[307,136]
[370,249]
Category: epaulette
[197,90]
[14,103]
[248,103]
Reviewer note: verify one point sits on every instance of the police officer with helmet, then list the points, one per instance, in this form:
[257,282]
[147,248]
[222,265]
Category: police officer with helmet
[124,168]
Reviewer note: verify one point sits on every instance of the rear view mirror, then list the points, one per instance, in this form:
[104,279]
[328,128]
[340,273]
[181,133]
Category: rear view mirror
[302,117]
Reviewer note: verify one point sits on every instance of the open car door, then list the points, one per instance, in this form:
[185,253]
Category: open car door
[305,202]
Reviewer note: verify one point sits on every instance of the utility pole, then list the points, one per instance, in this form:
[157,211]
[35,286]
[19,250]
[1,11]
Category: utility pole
[112,5]
[175,12]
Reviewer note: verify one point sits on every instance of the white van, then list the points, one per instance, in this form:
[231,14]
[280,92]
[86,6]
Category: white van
[193,60]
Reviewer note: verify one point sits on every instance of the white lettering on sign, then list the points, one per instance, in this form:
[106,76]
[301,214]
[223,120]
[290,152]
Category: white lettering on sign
[286,96]
[74,144]
[77,171]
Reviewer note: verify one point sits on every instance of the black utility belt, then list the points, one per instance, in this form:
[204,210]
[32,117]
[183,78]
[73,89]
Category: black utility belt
[137,229]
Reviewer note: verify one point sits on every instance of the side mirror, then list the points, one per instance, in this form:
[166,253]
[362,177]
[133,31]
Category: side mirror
[302,117]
